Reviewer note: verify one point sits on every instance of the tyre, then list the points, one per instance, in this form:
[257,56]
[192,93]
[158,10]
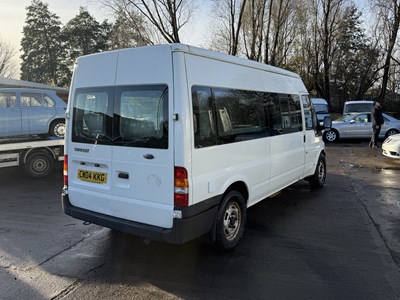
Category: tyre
[231,220]
[317,180]
[331,136]
[391,132]
[39,164]
[57,128]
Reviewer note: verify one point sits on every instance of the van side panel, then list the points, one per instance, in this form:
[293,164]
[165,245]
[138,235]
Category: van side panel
[279,159]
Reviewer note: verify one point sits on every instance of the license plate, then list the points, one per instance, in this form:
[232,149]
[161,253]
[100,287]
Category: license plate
[91,176]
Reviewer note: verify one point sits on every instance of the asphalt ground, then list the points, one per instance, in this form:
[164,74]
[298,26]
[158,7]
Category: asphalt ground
[339,242]
[359,154]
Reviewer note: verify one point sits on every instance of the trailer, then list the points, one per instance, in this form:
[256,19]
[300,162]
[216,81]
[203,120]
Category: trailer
[36,156]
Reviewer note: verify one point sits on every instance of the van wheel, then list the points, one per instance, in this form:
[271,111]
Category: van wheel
[231,220]
[57,128]
[39,164]
[318,179]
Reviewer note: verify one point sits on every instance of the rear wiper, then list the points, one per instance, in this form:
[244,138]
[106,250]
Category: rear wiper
[102,137]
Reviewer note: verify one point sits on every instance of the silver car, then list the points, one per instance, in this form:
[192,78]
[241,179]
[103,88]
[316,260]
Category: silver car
[359,126]
[26,111]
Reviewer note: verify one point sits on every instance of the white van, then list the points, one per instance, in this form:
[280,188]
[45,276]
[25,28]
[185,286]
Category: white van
[173,142]
[321,108]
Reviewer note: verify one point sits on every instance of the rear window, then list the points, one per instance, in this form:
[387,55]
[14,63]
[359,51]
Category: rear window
[132,116]
[357,107]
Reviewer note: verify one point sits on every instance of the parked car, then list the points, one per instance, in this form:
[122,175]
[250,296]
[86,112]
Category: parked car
[358,125]
[391,146]
[31,111]
[321,108]
[357,106]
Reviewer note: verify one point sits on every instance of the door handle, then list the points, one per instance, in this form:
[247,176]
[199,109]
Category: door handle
[123,175]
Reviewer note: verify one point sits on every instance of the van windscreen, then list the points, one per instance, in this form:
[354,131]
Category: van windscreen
[132,116]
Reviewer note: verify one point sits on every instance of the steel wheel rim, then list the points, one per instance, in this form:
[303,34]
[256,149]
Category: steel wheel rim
[232,221]
[39,165]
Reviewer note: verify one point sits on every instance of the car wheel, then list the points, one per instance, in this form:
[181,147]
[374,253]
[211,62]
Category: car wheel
[317,180]
[39,164]
[231,220]
[57,128]
[391,132]
[331,136]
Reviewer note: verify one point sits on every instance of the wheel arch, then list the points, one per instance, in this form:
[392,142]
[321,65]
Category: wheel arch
[33,150]
[239,186]
[390,129]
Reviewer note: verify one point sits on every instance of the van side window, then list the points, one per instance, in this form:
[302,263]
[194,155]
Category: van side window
[239,115]
[275,111]
[309,115]
[8,100]
[222,116]
[203,117]
[296,122]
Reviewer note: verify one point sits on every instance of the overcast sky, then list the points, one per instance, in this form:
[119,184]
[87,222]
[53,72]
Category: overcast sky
[13,15]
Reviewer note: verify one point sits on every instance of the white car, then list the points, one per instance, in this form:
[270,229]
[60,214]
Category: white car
[391,146]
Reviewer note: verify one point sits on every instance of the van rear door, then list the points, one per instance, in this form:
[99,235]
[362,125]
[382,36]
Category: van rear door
[142,165]
[121,150]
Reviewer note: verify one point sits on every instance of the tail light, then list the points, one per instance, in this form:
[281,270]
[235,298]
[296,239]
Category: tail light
[65,171]
[181,187]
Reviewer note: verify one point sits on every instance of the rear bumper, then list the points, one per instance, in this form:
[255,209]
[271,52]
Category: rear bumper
[196,221]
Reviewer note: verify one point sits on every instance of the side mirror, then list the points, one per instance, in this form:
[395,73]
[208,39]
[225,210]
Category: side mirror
[327,122]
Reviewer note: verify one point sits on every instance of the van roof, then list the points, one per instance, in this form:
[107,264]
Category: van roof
[178,47]
[318,101]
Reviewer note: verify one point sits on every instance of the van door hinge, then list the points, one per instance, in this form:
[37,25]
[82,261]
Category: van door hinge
[175,117]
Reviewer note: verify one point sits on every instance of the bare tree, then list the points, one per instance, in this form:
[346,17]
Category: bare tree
[388,21]
[162,18]
[229,15]
[253,28]
[327,24]
[8,67]
[280,31]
